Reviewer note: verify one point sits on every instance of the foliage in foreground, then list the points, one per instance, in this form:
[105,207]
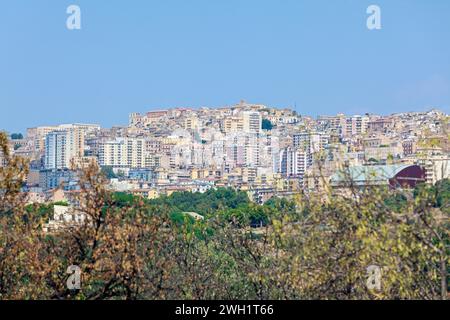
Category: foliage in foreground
[318,250]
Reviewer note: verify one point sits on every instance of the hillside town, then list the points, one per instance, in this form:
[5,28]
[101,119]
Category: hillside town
[263,151]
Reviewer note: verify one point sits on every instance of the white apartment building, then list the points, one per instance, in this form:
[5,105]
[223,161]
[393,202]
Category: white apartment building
[63,146]
[252,121]
[242,150]
[293,162]
[311,143]
[123,153]
[269,152]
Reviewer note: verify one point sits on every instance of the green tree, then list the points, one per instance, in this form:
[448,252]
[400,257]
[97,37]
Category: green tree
[16,136]
[267,125]
[108,172]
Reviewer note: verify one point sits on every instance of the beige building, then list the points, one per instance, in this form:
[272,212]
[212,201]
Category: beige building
[252,121]
[150,193]
[383,152]
[356,125]
[191,123]
[38,134]
[65,217]
[246,121]
[233,124]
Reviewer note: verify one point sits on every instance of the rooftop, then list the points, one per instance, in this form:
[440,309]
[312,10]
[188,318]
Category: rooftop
[360,175]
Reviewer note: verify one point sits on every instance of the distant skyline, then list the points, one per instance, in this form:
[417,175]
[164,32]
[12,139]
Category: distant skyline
[138,56]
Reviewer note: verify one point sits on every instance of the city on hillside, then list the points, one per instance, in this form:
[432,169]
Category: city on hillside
[224,158]
[263,151]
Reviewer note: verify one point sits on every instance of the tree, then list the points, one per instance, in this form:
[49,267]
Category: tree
[108,172]
[317,246]
[16,136]
[21,268]
[266,124]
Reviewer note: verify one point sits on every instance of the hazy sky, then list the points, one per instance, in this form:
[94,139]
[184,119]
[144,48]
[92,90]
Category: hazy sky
[139,55]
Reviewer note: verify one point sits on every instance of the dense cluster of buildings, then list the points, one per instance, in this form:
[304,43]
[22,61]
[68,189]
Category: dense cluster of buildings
[265,151]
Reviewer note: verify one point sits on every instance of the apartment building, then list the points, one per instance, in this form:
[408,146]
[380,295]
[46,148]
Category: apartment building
[62,147]
[252,121]
[37,136]
[293,162]
[191,123]
[123,153]
[311,142]
[356,125]
[245,121]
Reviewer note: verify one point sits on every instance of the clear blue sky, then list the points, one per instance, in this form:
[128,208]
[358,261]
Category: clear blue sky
[138,55]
